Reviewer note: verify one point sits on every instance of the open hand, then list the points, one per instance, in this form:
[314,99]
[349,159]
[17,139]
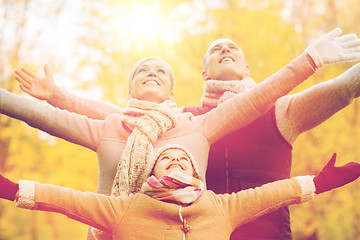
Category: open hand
[333,48]
[39,87]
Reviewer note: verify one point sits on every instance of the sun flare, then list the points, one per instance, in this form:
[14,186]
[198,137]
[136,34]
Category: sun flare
[145,22]
[139,21]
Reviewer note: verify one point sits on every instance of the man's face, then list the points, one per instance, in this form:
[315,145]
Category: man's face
[225,61]
[151,82]
[173,160]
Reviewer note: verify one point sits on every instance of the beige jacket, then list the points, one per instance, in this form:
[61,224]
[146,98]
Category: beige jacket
[142,217]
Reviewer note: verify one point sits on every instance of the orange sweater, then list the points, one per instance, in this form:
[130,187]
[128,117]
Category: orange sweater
[142,217]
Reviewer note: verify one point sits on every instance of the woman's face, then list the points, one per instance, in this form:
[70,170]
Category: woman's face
[173,160]
[152,82]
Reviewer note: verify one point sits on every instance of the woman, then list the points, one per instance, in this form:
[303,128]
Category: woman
[172,203]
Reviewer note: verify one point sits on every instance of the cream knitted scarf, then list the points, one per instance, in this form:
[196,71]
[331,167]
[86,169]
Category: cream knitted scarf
[147,121]
[217,91]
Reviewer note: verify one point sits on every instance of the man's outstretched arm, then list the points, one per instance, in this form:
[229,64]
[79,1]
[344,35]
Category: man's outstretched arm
[303,111]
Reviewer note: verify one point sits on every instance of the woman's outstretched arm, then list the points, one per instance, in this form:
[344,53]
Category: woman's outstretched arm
[45,88]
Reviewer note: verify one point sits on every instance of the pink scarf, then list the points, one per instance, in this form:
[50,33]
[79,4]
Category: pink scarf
[217,91]
[175,187]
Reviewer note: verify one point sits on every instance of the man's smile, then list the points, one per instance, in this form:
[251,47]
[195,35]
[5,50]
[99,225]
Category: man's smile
[226,59]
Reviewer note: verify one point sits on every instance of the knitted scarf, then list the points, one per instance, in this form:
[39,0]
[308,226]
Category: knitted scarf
[175,187]
[217,91]
[147,121]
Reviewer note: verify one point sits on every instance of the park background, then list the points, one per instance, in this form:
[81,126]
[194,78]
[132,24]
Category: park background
[90,47]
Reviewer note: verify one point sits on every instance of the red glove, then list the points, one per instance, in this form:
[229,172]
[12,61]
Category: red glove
[332,177]
[8,188]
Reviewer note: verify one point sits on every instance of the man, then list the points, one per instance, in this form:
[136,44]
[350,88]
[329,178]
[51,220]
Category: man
[262,152]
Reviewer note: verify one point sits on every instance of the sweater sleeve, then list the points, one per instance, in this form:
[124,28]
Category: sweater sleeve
[59,123]
[319,103]
[195,110]
[91,108]
[247,205]
[243,108]
[97,210]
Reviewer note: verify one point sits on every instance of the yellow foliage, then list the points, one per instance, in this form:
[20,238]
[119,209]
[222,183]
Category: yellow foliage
[271,33]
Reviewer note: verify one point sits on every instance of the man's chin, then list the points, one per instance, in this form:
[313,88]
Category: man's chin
[228,76]
[225,69]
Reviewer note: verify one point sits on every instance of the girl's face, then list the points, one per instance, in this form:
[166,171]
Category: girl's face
[152,82]
[173,160]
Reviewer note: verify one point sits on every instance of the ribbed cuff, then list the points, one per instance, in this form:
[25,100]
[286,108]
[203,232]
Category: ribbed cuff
[26,194]
[314,54]
[307,188]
